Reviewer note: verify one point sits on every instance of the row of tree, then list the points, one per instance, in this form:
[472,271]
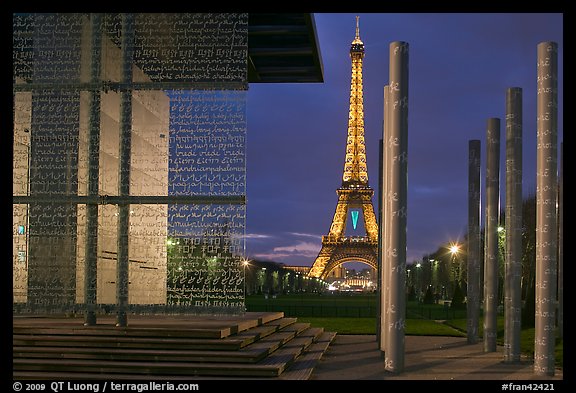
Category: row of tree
[442,274]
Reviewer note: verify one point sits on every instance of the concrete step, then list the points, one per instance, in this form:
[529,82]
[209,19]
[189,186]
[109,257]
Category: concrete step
[271,365]
[62,341]
[276,335]
[147,326]
[244,355]
[263,351]
[216,331]
[122,340]
[302,368]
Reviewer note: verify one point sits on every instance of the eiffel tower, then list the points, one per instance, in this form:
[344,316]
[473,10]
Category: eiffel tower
[355,193]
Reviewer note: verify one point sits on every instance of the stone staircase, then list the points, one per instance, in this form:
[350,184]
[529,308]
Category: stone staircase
[252,346]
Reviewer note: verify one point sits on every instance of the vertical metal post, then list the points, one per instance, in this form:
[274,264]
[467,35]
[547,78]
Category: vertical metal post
[385,224]
[513,262]
[491,234]
[379,266]
[90,256]
[473,270]
[122,268]
[398,186]
[560,245]
[546,215]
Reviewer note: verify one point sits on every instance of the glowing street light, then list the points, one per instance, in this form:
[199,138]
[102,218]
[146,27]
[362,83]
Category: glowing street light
[434,273]
[418,280]
[245,263]
[454,250]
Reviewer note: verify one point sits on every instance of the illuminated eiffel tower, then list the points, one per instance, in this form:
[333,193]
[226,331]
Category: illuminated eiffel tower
[355,193]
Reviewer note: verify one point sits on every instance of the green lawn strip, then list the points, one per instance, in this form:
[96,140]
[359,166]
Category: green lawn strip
[343,325]
[315,305]
[313,299]
[427,327]
[414,327]
[432,311]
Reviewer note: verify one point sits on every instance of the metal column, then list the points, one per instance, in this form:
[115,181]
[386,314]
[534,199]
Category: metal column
[379,334]
[473,270]
[513,261]
[384,224]
[546,215]
[397,198]
[560,245]
[491,233]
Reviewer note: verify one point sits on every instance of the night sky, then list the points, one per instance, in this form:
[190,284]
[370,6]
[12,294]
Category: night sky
[460,67]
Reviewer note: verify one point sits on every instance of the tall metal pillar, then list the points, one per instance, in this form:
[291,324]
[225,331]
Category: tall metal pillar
[473,270]
[397,198]
[560,245]
[379,266]
[491,233]
[546,199]
[125,148]
[385,224]
[513,262]
[90,256]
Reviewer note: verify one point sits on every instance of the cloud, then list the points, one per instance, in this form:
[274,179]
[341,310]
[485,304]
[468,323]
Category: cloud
[306,249]
[256,236]
[300,249]
[270,256]
[306,235]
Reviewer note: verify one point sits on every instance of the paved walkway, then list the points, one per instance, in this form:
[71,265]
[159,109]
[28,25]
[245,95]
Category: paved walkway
[356,357]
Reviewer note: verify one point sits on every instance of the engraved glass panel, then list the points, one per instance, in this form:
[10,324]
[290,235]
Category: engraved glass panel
[159,99]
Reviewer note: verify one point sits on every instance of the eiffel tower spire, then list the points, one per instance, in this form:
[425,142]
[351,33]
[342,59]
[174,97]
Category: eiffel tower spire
[355,193]
[355,169]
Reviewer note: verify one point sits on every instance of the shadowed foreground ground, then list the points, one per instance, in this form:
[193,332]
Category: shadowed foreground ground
[356,357]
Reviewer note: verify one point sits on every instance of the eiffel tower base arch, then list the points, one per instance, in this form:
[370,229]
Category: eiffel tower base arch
[335,253]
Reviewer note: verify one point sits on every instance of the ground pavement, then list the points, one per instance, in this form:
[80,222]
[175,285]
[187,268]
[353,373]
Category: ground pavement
[356,357]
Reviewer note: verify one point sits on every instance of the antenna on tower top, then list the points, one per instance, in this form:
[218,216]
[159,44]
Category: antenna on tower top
[357,41]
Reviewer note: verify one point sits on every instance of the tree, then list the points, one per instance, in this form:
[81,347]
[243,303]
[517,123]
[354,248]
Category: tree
[529,310]
[458,298]
[411,293]
[429,296]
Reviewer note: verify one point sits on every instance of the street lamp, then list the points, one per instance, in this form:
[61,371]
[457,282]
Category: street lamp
[245,263]
[418,279]
[433,274]
[263,287]
[454,250]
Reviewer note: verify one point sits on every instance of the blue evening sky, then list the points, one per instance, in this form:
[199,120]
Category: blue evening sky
[460,67]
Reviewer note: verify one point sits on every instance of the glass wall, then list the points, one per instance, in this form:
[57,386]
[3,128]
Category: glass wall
[129,162]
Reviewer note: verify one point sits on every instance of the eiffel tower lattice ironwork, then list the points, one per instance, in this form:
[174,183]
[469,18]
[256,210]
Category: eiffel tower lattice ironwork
[355,191]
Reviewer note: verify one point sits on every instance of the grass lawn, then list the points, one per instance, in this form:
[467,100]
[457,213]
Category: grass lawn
[357,305]
[414,327]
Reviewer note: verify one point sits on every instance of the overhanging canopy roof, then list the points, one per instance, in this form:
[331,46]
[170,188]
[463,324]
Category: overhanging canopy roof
[283,48]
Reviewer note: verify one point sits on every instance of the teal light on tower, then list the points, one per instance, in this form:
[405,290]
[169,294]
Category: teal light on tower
[354,214]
